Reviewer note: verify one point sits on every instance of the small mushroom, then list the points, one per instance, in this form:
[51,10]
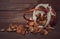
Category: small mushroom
[9,29]
[46,32]
[2,30]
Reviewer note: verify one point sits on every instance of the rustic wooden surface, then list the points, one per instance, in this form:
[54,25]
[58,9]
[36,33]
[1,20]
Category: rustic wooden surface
[12,11]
